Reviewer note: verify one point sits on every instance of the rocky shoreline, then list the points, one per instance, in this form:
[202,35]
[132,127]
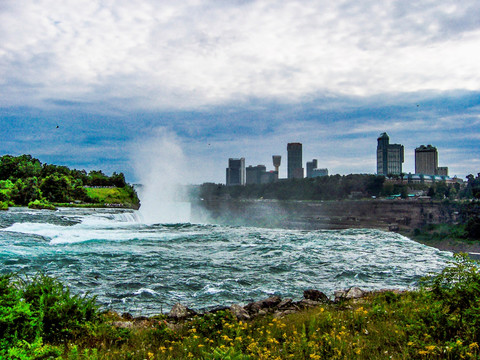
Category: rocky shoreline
[274,306]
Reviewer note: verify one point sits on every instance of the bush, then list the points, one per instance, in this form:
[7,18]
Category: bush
[41,204]
[41,308]
[455,296]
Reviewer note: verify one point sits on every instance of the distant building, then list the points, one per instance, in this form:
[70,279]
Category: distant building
[389,156]
[254,174]
[310,166]
[426,160]
[319,172]
[442,171]
[269,177]
[294,161]
[236,172]
[277,160]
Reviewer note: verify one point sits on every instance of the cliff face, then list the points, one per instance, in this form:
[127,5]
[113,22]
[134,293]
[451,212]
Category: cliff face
[394,215]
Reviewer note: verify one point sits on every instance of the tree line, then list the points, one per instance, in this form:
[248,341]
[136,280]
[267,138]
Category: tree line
[341,187]
[24,179]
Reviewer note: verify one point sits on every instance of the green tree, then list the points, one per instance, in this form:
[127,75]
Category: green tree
[25,191]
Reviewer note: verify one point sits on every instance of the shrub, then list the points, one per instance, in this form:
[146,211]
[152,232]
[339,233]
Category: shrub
[41,204]
[40,309]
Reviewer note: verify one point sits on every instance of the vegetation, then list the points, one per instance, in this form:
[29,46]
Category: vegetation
[24,181]
[340,187]
[335,187]
[40,319]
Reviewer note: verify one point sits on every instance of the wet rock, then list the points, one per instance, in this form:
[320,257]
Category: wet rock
[315,295]
[263,306]
[180,311]
[239,312]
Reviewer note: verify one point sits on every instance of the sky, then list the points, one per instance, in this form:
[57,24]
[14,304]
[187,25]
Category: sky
[87,83]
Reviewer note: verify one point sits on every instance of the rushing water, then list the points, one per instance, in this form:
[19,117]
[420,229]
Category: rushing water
[145,269]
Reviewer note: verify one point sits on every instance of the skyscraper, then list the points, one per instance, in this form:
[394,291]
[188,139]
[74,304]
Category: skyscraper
[254,174]
[389,156]
[294,161]
[310,166]
[236,172]
[426,160]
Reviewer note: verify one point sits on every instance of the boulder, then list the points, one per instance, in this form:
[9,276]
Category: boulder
[239,312]
[306,303]
[355,293]
[263,306]
[180,311]
[315,295]
[352,293]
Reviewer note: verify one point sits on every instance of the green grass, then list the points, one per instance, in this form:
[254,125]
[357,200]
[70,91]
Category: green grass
[112,196]
[40,319]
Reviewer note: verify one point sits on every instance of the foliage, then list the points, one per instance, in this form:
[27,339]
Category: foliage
[440,320]
[335,187]
[40,309]
[41,204]
[3,205]
[25,180]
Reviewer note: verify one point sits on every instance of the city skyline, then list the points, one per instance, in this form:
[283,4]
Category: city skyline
[425,159]
[86,85]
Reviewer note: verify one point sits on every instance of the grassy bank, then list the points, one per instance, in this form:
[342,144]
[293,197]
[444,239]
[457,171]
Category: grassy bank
[39,318]
[449,237]
[114,196]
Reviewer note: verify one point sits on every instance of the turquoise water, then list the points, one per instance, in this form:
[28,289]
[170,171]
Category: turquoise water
[146,268]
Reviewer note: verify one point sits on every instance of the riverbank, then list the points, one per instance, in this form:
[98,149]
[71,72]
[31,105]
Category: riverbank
[428,322]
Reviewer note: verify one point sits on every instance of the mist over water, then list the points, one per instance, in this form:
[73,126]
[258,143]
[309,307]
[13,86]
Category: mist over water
[161,167]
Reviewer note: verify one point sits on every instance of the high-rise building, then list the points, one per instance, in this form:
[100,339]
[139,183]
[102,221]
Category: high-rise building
[389,156]
[254,174]
[426,160]
[319,172]
[310,166]
[294,161]
[236,171]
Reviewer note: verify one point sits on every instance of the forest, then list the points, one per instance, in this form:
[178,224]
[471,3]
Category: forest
[25,181]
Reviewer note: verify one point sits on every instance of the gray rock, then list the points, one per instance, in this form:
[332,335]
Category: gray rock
[180,311]
[306,303]
[352,293]
[355,293]
[239,312]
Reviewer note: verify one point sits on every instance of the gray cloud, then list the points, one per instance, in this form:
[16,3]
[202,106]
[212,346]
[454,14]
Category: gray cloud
[191,54]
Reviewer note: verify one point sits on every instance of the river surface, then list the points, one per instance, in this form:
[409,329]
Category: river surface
[146,268]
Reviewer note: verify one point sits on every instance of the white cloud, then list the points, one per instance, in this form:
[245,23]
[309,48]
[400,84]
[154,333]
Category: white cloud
[195,53]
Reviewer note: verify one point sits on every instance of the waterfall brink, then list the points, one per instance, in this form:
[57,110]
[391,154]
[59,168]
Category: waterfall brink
[160,165]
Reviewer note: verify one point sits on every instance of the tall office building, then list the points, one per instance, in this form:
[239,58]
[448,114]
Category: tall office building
[389,156]
[254,174]
[236,172]
[294,161]
[426,160]
[311,165]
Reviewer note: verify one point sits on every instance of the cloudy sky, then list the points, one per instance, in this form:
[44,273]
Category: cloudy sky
[86,83]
